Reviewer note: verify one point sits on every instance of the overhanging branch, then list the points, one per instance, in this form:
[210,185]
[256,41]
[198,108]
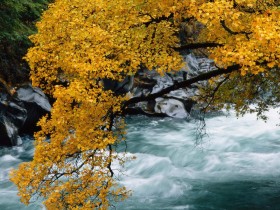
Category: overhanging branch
[183,84]
[158,19]
[192,46]
[223,23]
[154,20]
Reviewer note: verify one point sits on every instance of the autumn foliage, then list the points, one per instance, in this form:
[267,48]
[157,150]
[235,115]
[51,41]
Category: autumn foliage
[81,42]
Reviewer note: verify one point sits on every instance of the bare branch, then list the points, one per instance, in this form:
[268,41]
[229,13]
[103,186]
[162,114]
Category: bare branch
[193,46]
[110,161]
[158,19]
[212,95]
[183,84]
[223,23]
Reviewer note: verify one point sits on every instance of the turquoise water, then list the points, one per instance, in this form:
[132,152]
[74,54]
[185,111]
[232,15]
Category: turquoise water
[10,158]
[236,166]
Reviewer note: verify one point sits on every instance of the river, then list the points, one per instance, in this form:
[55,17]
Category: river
[236,166]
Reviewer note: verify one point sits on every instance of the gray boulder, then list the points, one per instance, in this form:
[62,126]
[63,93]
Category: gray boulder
[171,107]
[33,95]
[20,112]
[12,117]
[36,104]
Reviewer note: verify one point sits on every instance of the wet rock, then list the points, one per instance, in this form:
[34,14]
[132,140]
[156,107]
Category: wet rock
[162,83]
[36,104]
[12,116]
[9,132]
[14,110]
[20,112]
[34,95]
[171,107]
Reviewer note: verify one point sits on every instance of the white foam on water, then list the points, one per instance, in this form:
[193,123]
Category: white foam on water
[234,149]
[170,165]
[8,158]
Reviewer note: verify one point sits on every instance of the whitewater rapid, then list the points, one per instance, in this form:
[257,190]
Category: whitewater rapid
[235,166]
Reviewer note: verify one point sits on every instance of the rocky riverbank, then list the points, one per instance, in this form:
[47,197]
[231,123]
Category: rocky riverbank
[23,106]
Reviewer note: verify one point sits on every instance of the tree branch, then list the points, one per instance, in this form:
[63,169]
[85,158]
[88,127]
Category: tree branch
[110,162]
[192,46]
[223,23]
[212,95]
[158,19]
[183,84]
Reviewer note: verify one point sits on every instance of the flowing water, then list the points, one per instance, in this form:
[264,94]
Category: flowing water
[236,166]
